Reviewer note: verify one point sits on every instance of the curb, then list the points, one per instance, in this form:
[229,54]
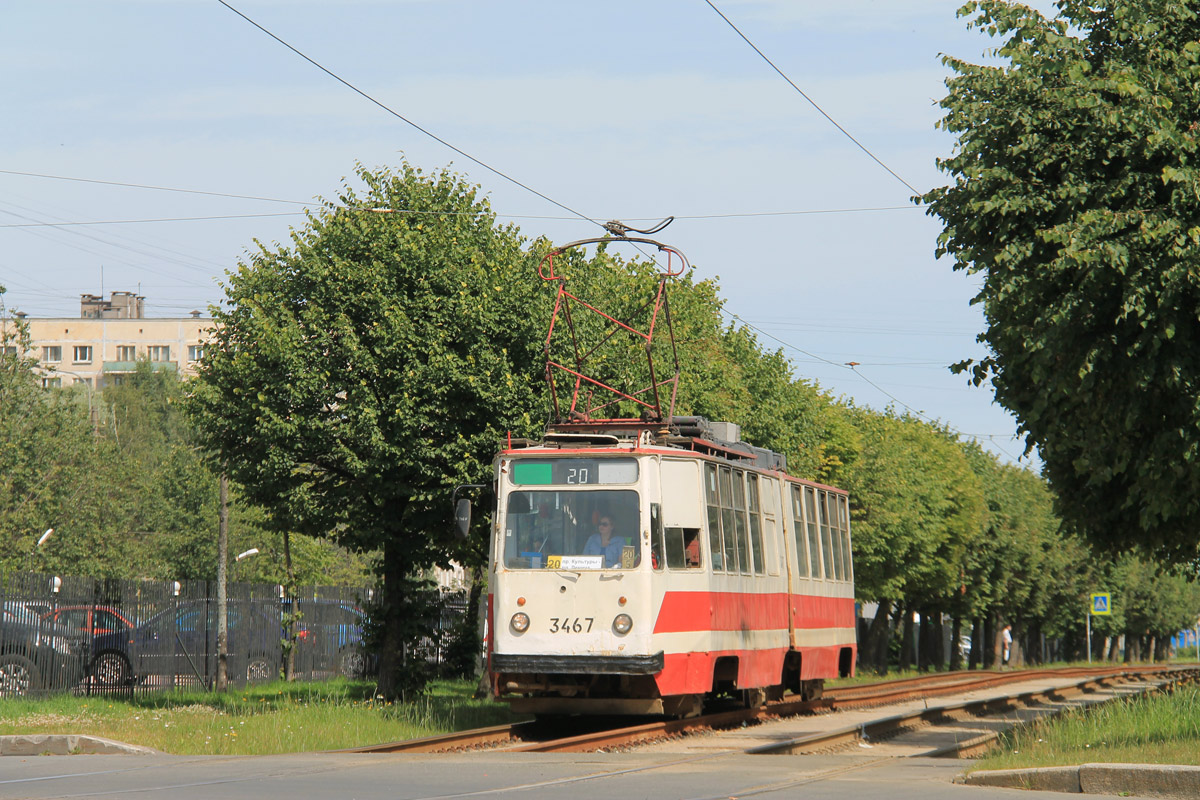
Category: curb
[65,744]
[1155,780]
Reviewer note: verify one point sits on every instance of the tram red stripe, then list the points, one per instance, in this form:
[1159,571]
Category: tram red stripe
[735,611]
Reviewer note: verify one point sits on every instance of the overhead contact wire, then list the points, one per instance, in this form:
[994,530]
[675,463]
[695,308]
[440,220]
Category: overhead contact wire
[812,102]
[408,121]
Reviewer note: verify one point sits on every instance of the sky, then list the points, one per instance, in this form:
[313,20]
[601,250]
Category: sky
[619,110]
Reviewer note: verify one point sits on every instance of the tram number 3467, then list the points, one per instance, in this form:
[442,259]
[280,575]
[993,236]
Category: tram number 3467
[571,624]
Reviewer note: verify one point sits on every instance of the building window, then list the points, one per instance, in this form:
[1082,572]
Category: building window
[10,350]
[195,352]
[51,383]
[85,381]
[52,354]
[126,352]
[83,353]
[159,352]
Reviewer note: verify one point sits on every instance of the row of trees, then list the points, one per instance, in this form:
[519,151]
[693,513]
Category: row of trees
[119,477]
[362,371]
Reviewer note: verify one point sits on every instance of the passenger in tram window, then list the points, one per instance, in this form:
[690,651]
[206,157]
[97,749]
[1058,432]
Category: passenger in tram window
[604,543]
[691,548]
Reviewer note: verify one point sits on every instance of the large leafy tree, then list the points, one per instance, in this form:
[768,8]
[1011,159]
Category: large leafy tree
[916,509]
[1075,200]
[359,373]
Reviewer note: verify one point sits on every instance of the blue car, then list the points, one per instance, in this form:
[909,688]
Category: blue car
[329,638]
[179,645]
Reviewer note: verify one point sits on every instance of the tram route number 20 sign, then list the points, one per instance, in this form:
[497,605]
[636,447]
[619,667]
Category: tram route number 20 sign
[1101,604]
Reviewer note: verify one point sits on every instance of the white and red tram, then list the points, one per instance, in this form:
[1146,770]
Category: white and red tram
[728,576]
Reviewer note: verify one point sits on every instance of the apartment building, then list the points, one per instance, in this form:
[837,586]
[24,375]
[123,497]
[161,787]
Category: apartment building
[108,339]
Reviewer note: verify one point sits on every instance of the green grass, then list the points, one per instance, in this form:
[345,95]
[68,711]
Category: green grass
[264,719]
[1147,729]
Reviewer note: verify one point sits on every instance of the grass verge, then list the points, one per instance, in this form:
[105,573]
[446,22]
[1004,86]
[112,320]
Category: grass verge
[259,720]
[1147,729]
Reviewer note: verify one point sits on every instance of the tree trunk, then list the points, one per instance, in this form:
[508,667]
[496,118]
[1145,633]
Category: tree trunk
[996,641]
[906,638]
[956,645]
[877,639]
[1162,648]
[395,569]
[290,595]
[479,582]
[222,584]
[976,655]
[938,641]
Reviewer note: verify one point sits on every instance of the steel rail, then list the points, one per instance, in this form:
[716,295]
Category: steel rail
[517,737]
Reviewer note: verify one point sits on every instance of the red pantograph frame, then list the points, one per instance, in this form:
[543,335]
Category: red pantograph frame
[583,406]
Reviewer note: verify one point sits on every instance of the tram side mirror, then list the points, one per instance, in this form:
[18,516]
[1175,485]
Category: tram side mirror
[462,517]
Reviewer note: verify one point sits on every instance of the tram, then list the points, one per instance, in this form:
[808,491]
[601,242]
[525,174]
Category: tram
[652,564]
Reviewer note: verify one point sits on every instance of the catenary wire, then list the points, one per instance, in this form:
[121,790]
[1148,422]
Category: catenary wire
[852,366]
[408,121]
[811,102]
[731,215]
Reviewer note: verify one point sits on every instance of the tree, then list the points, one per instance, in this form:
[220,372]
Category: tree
[915,506]
[1075,199]
[53,471]
[359,374]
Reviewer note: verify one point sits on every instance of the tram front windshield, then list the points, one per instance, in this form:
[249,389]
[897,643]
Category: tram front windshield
[593,529]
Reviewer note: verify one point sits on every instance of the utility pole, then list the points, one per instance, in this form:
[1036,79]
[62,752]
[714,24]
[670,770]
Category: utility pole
[222,586]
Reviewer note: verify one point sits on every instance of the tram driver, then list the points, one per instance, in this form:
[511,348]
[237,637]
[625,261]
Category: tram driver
[604,543]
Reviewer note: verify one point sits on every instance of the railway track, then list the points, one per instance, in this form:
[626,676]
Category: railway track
[604,735]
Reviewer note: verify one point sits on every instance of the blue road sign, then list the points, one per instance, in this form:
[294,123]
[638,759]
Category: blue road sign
[1101,604]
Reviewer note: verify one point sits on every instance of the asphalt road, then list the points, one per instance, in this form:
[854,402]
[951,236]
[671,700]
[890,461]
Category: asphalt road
[845,776]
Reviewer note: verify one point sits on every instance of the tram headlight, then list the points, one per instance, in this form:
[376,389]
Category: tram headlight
[623,624]
[520,622]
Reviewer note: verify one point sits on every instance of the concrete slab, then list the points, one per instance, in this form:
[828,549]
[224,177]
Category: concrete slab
[1048,779]
[1149,780]
[56,744]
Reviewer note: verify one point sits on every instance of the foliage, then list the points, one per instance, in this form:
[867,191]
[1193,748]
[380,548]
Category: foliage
[1148,728]
[915,507]
[53,471]
[359,374]
[1074,200]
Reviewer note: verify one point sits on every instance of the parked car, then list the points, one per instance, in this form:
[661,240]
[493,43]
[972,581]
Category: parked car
[37,656]
[329,637]
[181,641]
[92,620]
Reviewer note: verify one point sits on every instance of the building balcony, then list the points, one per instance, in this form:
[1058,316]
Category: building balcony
[119,367]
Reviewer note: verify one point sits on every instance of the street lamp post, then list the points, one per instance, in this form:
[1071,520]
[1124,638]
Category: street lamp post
[253,551]
[41,541]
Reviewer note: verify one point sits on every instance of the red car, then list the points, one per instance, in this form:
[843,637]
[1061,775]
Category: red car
[92,620]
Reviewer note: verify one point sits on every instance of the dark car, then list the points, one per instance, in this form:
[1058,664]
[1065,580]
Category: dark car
[329,638]
[180,643]
[38,656]
[90,619]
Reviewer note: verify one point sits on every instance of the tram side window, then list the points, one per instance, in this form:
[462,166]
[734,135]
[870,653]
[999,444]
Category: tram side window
[756,539]
[826,536]
[739,520]
[683,548]
[728,531]
[656,537]
[712,500]
[814,536]
[844,525]
[798,528]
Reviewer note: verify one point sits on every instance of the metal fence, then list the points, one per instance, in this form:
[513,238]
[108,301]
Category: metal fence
[99,636]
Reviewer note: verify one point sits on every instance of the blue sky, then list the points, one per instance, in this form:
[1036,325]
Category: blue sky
[618,110]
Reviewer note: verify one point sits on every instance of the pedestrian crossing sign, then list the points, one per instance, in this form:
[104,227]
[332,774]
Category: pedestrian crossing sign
[1100,604]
